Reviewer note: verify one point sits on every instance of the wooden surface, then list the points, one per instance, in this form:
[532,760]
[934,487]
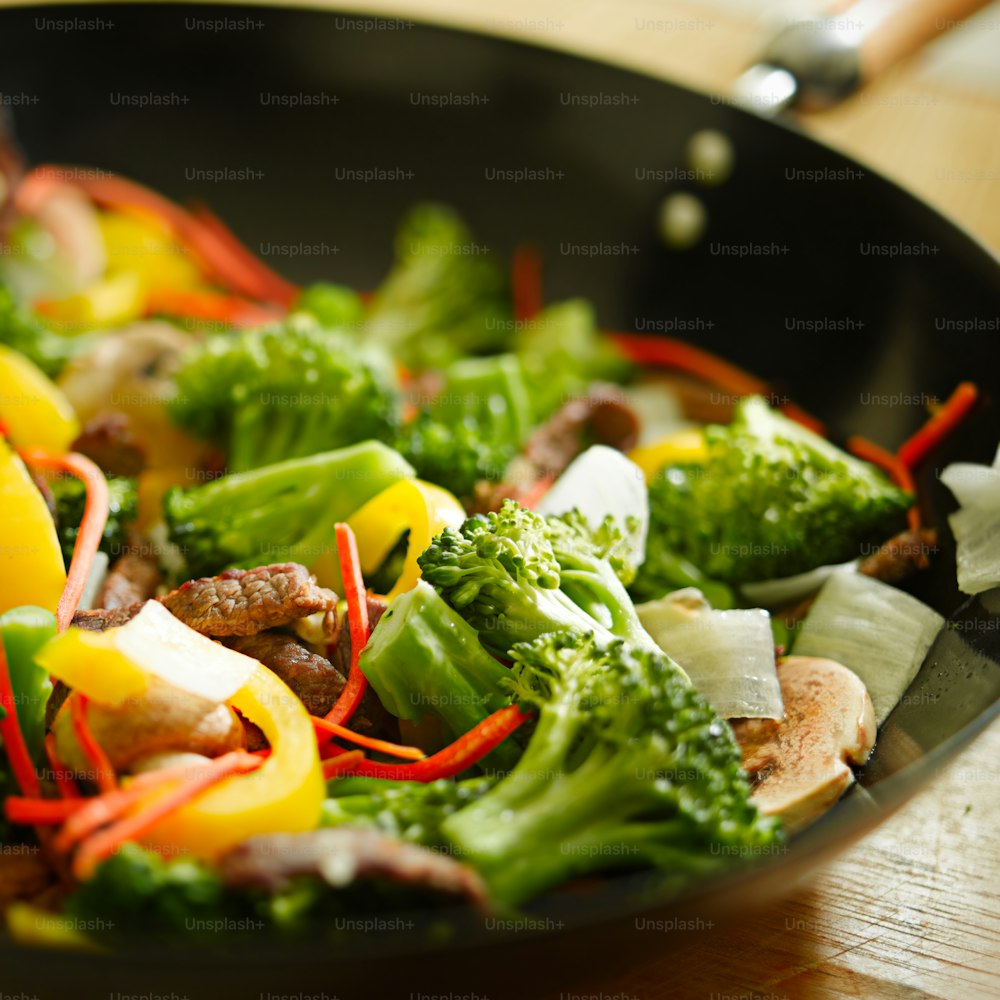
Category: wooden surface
[913,911]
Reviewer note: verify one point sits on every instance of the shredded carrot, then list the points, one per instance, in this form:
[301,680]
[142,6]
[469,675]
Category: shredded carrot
[947,417]
[357,616]
[95,516]
[104,774]
[36,812]
[457,756]
[667,352]
[221,254]
[61,774]
[106,841]
[342,763]
[206,305]
[13,739]
[329,729]
[890,464]
[526,282]
[271,287]
[534,494]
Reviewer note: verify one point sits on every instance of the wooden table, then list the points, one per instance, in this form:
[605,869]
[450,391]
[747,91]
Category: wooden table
[913,911]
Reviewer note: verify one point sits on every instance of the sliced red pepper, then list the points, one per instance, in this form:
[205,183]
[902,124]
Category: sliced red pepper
[104,774]
[357,616]
[526,282]
[948,416]
[203,305]
[13,739]
[891,464]
[329,729]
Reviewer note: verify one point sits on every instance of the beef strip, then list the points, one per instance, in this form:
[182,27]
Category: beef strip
[107,439]
[342,855]
[100,619]
[603,416]
[314,679]
[24,875]
[243,602]
[133,579]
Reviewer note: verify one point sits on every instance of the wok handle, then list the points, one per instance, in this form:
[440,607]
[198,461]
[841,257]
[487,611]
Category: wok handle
[825,58]
[894,29]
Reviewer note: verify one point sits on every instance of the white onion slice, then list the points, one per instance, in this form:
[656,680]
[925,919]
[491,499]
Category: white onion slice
[783,590]
[879,632]
[599,482]
[977,543]
[973,485]
[729,655]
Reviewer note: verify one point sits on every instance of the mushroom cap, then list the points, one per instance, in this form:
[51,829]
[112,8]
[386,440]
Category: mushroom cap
[800,765]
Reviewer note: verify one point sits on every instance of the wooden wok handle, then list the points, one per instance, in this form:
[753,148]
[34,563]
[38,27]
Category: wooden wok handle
[893,29]
[825,58]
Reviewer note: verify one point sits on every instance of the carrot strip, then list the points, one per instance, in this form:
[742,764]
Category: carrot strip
[666,352]
[217,253]
[535,493]
[104,773]
[890,464]
[323,726]
[526,282]
[95,516]
[274,288]
[457,756]
[105,842]
[35,812]
[342,763]
[13,739]
[948,416]
[190,304]
[63,779]
[357,616]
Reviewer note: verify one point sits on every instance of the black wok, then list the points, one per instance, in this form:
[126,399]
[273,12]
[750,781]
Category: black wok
[865,304]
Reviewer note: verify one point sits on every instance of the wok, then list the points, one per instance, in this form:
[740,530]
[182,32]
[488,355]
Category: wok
[864,305]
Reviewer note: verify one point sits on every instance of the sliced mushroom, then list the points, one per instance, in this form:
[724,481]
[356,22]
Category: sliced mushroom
[163,719]
[800,765]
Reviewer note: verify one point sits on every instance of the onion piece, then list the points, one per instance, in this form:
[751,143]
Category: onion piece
[729,655]
[873,629]
[977,544]
[659,409]
[601,482]
[973,485]
[783,590]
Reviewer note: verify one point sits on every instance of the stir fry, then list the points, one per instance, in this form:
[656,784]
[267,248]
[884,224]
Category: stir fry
[316,601]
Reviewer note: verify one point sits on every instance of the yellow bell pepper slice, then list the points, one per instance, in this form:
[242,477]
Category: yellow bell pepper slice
[113,301]
[412,504]
[37,928]
[31,563]
[34,410]
[284,795]
[139,243]
[687,445]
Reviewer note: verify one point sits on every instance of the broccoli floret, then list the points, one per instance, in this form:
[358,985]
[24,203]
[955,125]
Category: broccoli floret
[282,392]
[410,810]
[123,508]
[282,512]
[514,575]
[26,332]
[562,352]
[628,767]
[773,499]
[473,427]
[445,297]
[333,306]
[610,542]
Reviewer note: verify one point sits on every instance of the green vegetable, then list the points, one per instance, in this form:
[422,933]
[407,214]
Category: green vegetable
[424,659]
[445,297]
[563,352]
[773,499]
[285,391]
[473,428]
[336,307]
[282,512]
[410,810]
[628,767]
[663,570]
[514,575]
[71,497]
[26,332]
[24,631]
